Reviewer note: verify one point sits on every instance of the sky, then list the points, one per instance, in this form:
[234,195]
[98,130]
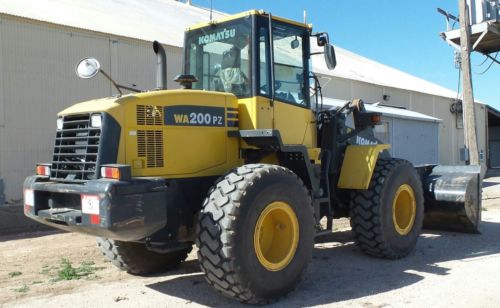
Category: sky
[400,34]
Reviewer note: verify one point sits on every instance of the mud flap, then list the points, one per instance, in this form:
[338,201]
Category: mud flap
[453,198]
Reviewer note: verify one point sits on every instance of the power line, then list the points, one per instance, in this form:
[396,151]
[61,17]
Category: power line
[489,66]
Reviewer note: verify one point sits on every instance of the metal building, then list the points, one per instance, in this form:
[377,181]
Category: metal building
[42,40]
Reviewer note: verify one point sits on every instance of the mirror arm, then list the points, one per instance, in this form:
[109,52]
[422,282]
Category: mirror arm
[129,88]
[112,81]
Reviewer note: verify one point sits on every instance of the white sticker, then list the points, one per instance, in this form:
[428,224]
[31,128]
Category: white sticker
[29,197]
[132,133]
[90,204]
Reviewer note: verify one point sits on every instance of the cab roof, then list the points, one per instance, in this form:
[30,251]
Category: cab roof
[245,14]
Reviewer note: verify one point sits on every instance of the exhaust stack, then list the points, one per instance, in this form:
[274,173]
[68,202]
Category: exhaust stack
[161,70]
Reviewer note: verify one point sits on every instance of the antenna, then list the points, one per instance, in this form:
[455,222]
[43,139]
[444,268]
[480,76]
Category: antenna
[305,17]
[211,10]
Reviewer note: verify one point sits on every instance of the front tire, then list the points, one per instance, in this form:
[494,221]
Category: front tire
[255,233]
[136,259]
[387,218]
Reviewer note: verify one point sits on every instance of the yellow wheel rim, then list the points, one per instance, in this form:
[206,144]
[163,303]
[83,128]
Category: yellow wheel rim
[276,236]
[404,209]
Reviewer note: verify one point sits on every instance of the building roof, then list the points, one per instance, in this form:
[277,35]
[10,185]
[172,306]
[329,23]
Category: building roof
[385,110]
[356,67]
[166,20]
[149,20]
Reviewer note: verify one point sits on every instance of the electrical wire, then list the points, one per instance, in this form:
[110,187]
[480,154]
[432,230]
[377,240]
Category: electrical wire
[484,61]
[489,66]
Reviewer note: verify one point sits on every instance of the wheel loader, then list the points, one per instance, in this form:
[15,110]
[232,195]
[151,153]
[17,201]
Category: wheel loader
[242,160]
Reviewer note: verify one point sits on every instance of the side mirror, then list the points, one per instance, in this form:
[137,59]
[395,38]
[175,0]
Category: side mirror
[330,58]
[88,68]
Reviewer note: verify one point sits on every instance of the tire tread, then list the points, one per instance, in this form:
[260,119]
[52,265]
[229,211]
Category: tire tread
[136,259]
[366,220]
[216,236]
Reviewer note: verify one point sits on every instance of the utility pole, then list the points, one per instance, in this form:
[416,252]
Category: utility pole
[468,96]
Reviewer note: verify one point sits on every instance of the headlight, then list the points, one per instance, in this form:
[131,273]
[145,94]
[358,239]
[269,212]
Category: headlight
[60,122]
[96,120]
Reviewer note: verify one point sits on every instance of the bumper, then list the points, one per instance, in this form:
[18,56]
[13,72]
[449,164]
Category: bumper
[126,211]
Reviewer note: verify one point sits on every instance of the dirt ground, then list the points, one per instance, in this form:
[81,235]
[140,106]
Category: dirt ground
[446,269]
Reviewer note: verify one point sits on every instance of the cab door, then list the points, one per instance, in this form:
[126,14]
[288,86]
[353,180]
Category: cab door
[292,114]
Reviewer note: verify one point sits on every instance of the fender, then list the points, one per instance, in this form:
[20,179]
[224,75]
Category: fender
[355,174]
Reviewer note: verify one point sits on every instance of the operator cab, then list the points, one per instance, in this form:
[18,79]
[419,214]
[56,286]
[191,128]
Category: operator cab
[235,56]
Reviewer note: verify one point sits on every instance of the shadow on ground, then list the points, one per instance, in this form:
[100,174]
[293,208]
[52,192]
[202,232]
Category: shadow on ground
[31,234]
[339,271]
[487,184]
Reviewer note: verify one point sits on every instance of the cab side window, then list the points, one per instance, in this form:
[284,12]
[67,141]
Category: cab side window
[289,65]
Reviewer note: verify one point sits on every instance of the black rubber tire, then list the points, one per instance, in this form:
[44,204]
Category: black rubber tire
[226,228]
[371,211]
[136,259]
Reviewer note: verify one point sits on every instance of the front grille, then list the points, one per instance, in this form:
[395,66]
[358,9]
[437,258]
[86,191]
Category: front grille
[76,150]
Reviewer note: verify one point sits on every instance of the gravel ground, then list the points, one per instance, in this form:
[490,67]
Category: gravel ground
[446,269]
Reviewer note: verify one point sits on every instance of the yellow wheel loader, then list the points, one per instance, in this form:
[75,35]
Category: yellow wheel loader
[243,160]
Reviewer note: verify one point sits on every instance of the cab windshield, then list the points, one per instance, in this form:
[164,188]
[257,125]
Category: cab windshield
[219,57]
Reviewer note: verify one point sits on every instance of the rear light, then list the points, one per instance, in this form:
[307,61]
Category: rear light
[375,118]
[110,173]
[29,197]
[43,170]
[116,172]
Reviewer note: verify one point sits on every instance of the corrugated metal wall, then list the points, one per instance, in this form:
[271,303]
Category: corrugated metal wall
[37,80]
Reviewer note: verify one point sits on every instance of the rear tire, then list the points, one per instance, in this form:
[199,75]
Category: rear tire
[239,259]
[386,219]
[136,259]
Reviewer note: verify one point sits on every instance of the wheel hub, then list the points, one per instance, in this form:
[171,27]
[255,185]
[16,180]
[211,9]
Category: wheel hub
[404,208]
[276,236]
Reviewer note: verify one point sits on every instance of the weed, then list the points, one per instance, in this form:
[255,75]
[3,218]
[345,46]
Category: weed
[68,272]
[37,282]
[22,289]
[14,274]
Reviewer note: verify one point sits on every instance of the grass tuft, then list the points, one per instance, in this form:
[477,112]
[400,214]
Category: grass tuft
[22,289]
[68,272]
[14,274]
